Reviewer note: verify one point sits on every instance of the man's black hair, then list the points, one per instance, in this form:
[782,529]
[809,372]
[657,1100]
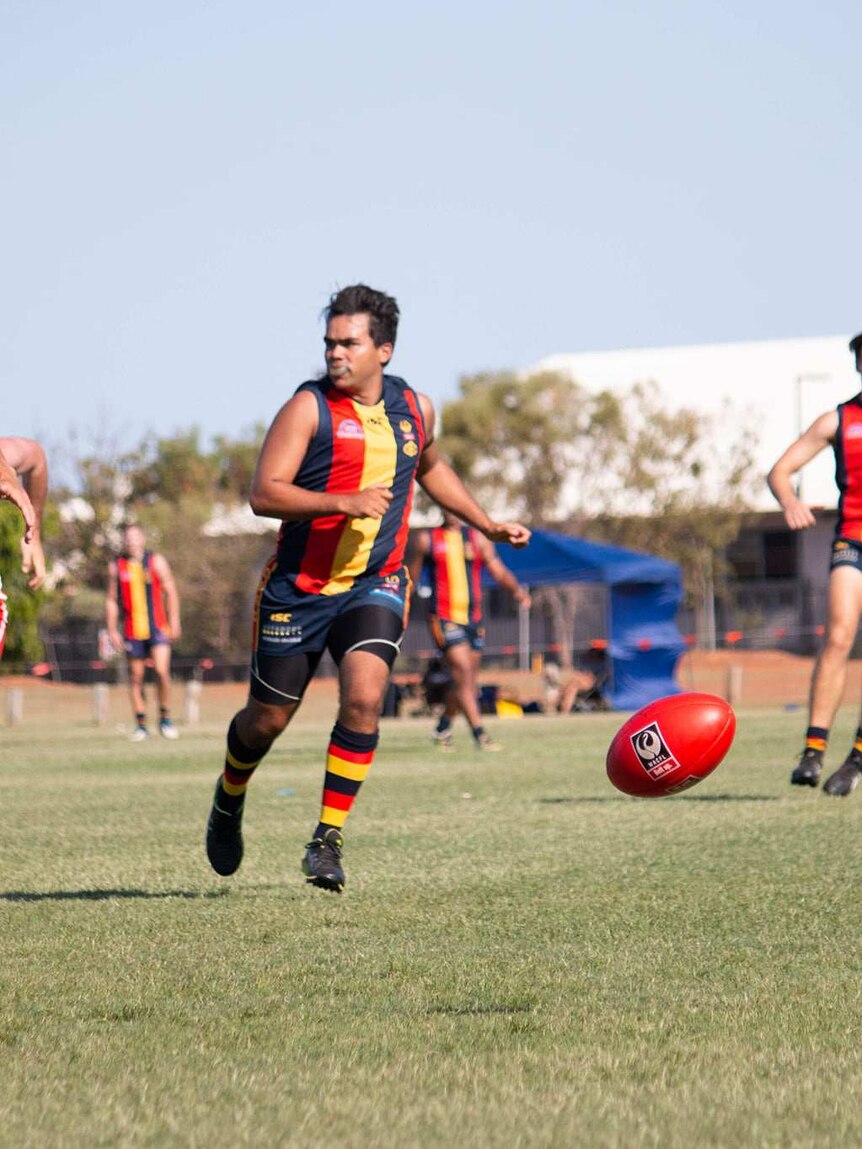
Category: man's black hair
[359,299]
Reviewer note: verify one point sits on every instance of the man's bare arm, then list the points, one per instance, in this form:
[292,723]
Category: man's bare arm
[273,491]
[819,435]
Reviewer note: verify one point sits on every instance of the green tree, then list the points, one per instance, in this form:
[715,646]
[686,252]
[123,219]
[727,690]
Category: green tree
[615,467]
[172,486]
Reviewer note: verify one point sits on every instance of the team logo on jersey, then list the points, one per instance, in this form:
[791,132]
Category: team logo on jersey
[349,429]
[652,751]
[854,431]
[405,426]
[410,448]
[280,616]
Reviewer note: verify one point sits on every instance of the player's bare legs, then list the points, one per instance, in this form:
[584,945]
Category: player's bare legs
[362,680]
[161,656]
[830,672]
[463,663]
[137,669]
[464,667]
[830,675]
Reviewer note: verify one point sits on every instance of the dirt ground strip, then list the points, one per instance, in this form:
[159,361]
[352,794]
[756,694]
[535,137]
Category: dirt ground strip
[746,678]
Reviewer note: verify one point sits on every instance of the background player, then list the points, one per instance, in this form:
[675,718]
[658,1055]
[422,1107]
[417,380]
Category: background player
[337,467]
[842,430]
[141,587]
[453,557]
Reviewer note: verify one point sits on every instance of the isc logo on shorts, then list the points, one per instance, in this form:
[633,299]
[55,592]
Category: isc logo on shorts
[652,751]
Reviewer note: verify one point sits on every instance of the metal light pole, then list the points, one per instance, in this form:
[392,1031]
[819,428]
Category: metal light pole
[805,377]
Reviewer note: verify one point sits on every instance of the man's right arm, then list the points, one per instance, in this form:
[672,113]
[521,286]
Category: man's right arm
[273,491]
[112,608]
[819,435]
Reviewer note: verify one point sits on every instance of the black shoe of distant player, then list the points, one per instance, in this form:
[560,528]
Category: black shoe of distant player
[807,773]
[322,862]
[224,839]
[846,778]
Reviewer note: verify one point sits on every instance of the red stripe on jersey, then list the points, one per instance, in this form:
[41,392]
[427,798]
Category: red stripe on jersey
[157,602]
[345,474]
[395,558]
[474,571]
[850,471]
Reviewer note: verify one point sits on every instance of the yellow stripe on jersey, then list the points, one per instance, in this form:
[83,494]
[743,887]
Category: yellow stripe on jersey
[138,600]
[378,470]
[456,572]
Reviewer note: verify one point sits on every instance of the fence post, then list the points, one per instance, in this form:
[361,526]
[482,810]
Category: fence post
[14,705]
[734,685]
[100,703]
[192,705]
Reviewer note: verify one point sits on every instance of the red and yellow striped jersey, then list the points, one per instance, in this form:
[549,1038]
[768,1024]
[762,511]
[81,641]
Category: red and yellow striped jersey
[848,469]
[141,599]
[355,447]
[454,569]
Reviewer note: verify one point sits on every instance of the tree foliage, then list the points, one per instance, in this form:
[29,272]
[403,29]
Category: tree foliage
[619,467]
[171,487]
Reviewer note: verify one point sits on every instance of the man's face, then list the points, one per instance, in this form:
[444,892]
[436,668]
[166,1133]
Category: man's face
[352,361]
[133,542]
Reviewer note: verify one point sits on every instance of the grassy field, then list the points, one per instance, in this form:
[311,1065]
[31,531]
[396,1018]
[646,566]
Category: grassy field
[522,957]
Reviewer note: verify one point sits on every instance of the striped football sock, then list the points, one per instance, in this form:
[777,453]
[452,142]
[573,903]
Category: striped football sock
[348,760]
[816,738]
[240,763]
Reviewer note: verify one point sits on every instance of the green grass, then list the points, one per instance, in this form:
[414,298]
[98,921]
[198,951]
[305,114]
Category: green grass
[522,957]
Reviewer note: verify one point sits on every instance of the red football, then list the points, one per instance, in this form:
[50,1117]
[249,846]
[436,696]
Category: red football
[671,744]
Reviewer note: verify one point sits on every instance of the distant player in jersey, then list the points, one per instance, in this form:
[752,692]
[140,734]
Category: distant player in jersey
[840,429]
[142,609]
[453,557]
[337,467]
[24,483]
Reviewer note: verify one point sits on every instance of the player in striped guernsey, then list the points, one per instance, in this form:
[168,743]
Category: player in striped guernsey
[337,467]
[842,430]
[452,558]
[142,589]
[24,484]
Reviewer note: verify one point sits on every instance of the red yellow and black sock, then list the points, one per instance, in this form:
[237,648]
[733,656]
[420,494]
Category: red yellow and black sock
[857,744]
[239,764]
[816,738]
[348,760]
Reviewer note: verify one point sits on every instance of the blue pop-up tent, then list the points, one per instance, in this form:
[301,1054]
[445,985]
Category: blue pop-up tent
[644,642]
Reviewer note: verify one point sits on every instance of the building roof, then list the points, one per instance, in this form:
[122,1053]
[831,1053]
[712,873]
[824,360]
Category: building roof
[778,386]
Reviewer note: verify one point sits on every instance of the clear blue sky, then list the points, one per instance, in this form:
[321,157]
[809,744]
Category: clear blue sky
[185,183]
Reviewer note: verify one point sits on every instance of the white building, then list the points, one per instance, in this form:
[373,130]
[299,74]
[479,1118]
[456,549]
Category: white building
[778,386]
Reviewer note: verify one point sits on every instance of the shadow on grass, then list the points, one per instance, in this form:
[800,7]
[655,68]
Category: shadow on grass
[102,895]
[668,797]
[479,1010]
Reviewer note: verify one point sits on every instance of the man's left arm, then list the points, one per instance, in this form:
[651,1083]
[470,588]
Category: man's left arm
[442,484]
[501,574]
[172,596]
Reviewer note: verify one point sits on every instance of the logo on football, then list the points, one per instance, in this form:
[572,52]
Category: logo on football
[671,744]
